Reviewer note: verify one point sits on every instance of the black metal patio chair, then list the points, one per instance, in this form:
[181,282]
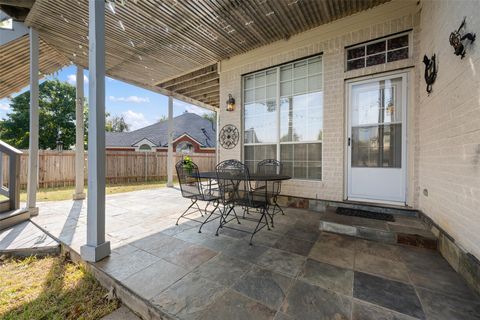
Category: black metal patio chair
[193,189]
[271,167]
[234,187]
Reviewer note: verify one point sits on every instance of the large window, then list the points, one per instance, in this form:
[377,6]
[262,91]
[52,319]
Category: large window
[283,117]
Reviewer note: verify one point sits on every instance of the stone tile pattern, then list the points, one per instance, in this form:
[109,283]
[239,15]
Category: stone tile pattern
[191,275]
[434,130]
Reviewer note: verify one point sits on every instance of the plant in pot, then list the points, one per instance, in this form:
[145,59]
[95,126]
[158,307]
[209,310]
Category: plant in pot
[188,164]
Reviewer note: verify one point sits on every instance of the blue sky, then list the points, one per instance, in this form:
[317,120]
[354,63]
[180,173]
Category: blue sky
[140,107]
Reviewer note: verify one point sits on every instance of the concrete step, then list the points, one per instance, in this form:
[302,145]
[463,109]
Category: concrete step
[5,205]
[13,217]
[375,207]
[407,230]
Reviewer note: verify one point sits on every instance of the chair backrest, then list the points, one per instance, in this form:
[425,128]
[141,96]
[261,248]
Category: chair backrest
[270,167]
[232,177]
[188,176]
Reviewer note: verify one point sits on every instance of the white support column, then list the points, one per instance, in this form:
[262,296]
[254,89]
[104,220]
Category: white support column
[96,248]
[79,135]
[170,143]
[34,124]
[217,132]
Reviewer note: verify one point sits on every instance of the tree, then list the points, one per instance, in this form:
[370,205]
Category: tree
[56,113]
[211,116]
[116,124]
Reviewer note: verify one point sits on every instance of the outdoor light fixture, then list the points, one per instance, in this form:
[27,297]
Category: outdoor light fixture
[230,103]
[456,40]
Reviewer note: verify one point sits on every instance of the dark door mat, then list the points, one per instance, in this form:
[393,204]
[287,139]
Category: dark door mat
[365,214]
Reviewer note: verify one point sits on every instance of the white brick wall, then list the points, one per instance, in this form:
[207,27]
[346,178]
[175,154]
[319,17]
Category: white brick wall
[448,122]
[330,40]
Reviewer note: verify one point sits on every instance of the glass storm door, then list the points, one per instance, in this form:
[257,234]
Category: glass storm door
[376,139]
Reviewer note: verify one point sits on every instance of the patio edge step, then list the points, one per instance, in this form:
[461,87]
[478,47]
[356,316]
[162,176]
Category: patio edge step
[13,217]
[408,231]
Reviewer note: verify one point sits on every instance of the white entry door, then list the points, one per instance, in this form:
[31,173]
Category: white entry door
[376,139]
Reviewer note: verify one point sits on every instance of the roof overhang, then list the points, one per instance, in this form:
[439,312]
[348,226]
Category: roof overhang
[173,47]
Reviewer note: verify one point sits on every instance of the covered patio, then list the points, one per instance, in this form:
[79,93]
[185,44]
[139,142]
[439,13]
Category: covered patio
[293,271]
[299,73]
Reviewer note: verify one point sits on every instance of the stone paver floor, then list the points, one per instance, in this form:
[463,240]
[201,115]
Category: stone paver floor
[293,271]
[26,239]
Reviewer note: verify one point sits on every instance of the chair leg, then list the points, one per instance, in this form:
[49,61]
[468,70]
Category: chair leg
[199,209]
[235,213]
[223,218]
[258,224]
[194,202]
[206,220]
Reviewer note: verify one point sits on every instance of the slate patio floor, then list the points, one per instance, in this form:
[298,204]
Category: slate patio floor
[293,271]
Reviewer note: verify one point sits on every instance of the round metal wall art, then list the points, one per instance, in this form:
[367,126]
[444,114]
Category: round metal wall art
[229,136]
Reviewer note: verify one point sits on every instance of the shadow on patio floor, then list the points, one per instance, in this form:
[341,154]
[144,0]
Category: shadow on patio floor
[293,271]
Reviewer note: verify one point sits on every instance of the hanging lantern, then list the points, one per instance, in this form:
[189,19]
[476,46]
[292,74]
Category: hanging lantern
[230,103]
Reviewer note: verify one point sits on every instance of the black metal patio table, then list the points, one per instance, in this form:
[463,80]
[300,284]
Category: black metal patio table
[254,177]
[212,175]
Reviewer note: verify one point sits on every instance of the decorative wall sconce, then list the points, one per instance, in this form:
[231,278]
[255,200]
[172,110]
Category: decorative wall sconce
[230,103]
[456,40]
[430,71]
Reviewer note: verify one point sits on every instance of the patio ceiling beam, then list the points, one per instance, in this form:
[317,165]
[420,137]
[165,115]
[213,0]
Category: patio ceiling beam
[192,82]
[208,85]
[96,247]
[18,3]
[178,80]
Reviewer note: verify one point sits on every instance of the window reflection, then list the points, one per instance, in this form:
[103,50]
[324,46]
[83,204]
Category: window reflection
[376,124]
[291,119]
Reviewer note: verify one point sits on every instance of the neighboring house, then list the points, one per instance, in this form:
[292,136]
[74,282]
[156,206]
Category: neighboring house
[191,134]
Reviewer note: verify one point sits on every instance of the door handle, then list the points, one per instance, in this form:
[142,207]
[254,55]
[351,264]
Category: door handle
[349,141]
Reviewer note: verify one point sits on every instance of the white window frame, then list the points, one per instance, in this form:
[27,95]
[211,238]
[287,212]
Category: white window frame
[278,96]
[384,39]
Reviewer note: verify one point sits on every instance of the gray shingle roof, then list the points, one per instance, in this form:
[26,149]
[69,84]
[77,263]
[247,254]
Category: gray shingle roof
[197,127]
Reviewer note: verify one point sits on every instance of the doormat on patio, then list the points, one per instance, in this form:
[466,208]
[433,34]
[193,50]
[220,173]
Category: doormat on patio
[365,214]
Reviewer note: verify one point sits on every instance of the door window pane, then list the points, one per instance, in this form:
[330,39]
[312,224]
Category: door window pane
[377,146]
[378,102]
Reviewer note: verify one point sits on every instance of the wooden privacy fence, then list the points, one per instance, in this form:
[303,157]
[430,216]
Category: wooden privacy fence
[57,169]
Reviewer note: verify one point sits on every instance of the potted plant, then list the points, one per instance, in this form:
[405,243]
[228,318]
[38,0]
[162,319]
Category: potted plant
[188,164]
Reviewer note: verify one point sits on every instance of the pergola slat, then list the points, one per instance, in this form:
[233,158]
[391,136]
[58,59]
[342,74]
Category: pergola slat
[174,46]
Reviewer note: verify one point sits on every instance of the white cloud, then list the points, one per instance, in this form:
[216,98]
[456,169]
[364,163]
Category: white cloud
[4,107]
[129,99]
[72,79]
[190,107]
[136,120]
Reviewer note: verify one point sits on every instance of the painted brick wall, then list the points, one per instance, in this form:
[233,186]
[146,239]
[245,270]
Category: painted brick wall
[449,125]
[330,39]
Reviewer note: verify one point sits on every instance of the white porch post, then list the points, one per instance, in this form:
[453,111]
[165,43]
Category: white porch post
[79,135]
[217,129]
[170,143]
[96,247]
[33,137]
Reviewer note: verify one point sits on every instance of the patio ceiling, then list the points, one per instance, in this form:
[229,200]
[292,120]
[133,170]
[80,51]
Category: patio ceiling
[15,64]
[174,46]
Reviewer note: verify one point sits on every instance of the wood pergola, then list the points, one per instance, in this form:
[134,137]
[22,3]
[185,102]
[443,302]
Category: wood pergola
[14,64]
[171,47]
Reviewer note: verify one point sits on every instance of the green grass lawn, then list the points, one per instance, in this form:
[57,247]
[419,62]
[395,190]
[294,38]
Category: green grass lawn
[50,288]
[65,193]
